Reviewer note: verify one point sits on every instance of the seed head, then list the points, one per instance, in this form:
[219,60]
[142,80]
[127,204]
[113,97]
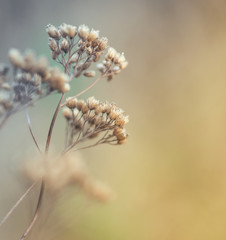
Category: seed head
[67,113]
[90,73]
[103,43]
[83,32]
[71,103]
[64,46]
[16,58]
[111,53]
[93,35]
[52,44]
[53,32]
[92,103]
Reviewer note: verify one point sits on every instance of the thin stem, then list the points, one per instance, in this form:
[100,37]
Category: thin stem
[16,204]
[85,90]
[36,211]
[89,146]
[30,129]
[35,217]
[4,120]
[52,124]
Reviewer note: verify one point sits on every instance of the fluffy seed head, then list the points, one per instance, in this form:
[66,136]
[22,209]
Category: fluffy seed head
[71,102]
[83,32]
[93,35]
[92,103]
[111,53]
[16,58]
[53,31]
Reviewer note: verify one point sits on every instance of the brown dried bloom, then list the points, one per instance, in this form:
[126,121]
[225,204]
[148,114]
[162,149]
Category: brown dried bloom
[93,118]
[32,79]
[76,55]
[93,121]
[53,32]
[113,64]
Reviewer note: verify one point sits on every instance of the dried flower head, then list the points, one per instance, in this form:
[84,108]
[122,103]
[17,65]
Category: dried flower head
[77,54]
[32,79]
[95,118]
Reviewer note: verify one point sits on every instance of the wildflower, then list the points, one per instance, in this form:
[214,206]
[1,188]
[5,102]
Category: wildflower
[53,32]
[97,117]
[83,32]
[32,80]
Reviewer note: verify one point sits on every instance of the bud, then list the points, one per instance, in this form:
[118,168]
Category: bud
[52,44]
[71,103]
[83,32]
[103,43]
[16,58]
[93,35]
[64,46]
[53,32]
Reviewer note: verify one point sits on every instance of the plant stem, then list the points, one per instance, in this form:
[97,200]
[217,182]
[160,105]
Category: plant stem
[36,211]
[16,204]
[35,217]
[31,131]
[4,120]
[85,90]
[52,124]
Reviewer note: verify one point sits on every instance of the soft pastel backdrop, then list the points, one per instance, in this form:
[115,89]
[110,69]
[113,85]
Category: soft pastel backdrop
[170,177]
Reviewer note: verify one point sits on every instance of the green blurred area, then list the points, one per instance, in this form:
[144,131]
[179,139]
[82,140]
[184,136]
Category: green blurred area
[170,177]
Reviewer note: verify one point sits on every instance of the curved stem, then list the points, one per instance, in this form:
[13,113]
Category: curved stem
[52,124]
[35,217]
[85,90]
[16,204]
[31,131]
[36,211]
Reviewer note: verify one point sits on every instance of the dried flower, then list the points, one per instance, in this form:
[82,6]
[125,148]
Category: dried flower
[83,32]
[90,73]
[98,117]
[32,80]
[53,32]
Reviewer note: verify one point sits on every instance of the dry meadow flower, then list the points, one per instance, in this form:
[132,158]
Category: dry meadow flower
[75,48]
[94,119]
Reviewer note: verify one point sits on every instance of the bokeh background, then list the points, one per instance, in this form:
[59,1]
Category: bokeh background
[170,177]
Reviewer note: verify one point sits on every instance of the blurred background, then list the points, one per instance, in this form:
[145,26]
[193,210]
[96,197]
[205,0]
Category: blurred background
[170,176]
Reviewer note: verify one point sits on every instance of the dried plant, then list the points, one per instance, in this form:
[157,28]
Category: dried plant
[88,123]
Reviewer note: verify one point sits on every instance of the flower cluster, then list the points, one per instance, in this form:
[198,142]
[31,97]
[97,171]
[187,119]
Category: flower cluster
[69,170]
[32,79]
[113,63]
[94,119]
[77,47]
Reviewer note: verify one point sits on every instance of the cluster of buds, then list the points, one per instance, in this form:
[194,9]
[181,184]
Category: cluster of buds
[69,170]
[113,63]
[77,47]
[32,79]
[94,119]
